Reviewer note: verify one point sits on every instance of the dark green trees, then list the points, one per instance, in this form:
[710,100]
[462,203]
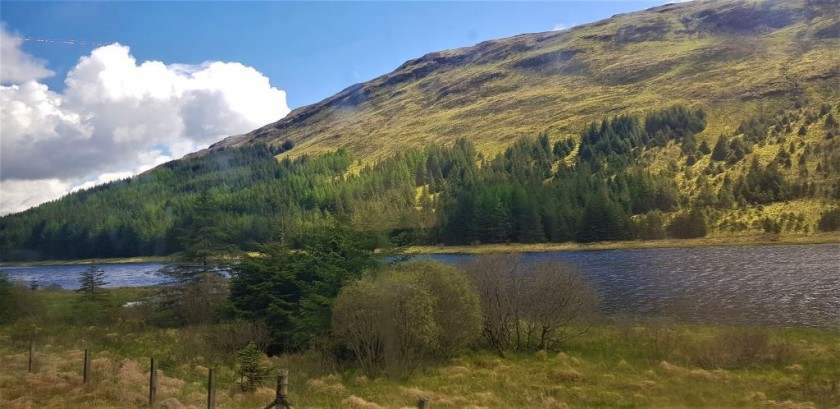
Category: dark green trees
[602,220]
[689,225]
[292,291]
[830,220]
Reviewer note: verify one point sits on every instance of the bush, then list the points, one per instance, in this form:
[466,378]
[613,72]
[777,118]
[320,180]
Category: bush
[529,307]
[733,350]
[17,302]
[394,321]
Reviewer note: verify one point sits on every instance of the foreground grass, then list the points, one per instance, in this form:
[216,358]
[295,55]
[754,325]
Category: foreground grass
[613,365]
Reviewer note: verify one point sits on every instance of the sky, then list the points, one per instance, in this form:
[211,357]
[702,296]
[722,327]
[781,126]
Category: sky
[97,91]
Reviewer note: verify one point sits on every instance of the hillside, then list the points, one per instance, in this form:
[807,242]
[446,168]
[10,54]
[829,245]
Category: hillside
[697,119]
[729,58]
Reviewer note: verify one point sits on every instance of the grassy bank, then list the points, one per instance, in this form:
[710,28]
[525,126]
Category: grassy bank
[616,363]
[124,260]
[746,240]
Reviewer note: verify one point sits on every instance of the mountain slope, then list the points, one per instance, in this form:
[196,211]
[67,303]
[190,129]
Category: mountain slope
[729,58]
[699,119]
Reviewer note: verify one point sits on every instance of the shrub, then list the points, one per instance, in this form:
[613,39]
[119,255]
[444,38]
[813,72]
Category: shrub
[18,302]
[529,307]
[734,349]
[397,319]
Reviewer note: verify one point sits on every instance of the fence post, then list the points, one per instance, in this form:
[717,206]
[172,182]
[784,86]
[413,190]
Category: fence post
[211,389]
[87,366]
[31,351]
[280,398]
[153,383]
[422,403]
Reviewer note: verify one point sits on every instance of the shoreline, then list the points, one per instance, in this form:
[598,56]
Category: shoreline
[89,261]
[745,240]
[748,240]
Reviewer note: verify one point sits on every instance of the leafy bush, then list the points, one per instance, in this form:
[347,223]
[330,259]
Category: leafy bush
[395,320]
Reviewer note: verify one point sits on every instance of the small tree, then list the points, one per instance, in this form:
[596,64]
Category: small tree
[91,285]
[251,373]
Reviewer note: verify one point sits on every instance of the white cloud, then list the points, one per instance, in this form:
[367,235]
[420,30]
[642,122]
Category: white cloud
[560,27]
[118,117]
[19,195]
[15,65]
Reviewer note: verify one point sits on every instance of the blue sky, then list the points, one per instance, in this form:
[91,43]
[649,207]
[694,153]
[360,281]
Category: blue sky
[310,50]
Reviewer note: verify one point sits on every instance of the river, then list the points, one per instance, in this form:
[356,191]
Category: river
[788,285]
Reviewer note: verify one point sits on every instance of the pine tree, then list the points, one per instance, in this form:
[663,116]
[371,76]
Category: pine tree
[91,284]
[251,373]
[721,149]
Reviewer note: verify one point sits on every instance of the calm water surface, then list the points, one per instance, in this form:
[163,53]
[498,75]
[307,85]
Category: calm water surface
[797,285]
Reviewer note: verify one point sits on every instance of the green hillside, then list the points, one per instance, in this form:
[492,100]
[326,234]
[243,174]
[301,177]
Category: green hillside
[688,120]
[730,58]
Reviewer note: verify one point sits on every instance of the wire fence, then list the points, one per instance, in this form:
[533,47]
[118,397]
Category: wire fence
[141,384]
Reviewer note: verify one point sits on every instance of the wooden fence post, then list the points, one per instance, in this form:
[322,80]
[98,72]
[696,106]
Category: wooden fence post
[422,403]
[153,383]
[211,389]
[86,372]
[31,351]
[280,399]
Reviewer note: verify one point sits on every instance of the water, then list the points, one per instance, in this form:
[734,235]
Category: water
[791,285]
[67,276]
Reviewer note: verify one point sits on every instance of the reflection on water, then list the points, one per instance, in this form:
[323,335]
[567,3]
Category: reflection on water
[797,285]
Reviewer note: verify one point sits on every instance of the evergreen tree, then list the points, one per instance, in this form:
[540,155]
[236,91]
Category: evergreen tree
[91,285]
[721,149]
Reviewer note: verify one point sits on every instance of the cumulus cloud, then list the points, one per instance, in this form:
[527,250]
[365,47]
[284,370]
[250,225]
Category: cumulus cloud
[16,65]
[117,117]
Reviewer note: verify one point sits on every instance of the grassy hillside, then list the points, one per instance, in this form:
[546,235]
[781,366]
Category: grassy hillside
[730,58]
